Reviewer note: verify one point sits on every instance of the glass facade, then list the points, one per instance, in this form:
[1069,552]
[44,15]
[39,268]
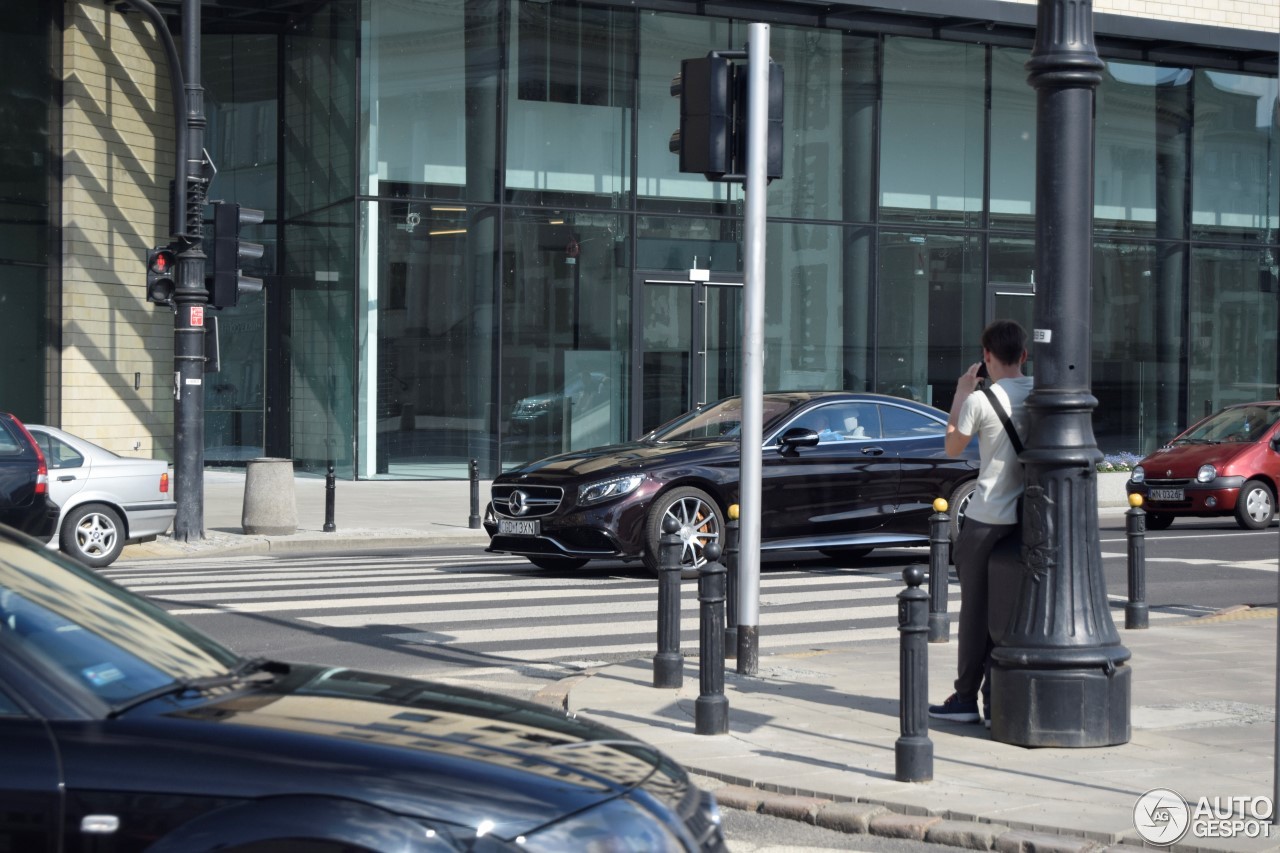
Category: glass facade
[29,94]
[478,244]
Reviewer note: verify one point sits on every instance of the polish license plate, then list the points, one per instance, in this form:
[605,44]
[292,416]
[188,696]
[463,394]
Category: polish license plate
[1166,495]
[512,527]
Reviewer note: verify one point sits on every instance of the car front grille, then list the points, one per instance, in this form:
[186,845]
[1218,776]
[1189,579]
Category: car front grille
[1168,484]
[537,501]
[701,817]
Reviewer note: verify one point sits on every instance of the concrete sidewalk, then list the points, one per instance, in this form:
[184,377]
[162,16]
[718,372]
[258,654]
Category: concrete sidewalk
[812,734]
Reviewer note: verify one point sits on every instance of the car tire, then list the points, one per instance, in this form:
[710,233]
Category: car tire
[1159,520]
[558,564]
[849,555]
[1256,505]
[701,523]
[957,506]
[93,535]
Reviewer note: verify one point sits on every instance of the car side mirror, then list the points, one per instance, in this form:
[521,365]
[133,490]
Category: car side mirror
[1275,443]
[790,442]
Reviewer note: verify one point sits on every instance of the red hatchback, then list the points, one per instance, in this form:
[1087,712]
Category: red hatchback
[1227,464]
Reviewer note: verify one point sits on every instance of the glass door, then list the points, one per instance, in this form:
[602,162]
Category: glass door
[688,346]
[1014,302]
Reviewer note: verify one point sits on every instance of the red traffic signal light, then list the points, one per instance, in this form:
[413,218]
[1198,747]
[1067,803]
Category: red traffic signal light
[162,268]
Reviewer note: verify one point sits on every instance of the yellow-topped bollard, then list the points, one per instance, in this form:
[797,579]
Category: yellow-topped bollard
[1135,501]
[939,572]
[733,512]
[940,504]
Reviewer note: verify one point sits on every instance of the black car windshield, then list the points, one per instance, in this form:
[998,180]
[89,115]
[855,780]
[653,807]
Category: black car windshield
[1239,423]
[88,632]
[717,420]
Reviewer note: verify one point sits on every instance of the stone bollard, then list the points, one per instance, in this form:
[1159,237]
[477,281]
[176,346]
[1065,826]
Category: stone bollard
[913,751]
[1135,528]
[731,583]
[668,663]
[711,710]
[270,504]
[939,572]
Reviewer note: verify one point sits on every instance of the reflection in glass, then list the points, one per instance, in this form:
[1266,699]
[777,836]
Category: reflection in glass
[1013,141]
[1237,157]
[929,317]
[933,91]
[565,325]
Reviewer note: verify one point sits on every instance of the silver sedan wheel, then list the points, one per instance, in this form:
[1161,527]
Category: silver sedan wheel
[93,535]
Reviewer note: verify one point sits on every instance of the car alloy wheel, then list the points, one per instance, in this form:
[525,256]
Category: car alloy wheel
[700,520]
[93,535]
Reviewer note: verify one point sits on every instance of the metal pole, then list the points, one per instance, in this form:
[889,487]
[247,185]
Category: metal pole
[668,663]
[939,572]
[473,520]
[913,751]
[330,493]
[711,710]
[755,189]
[1135,526]
[191,301]
[731,583]
[1058,675]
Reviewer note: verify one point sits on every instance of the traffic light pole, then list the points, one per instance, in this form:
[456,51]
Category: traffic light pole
[756,187]
[190,300]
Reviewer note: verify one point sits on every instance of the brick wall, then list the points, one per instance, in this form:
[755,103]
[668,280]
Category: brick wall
[1240,14]
[117,159]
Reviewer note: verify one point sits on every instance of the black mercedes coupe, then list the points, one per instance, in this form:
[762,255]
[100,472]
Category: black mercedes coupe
[842,473]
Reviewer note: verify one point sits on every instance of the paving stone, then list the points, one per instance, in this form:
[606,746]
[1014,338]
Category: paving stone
[793,808]
[963,833]
[1020,841]
[903,825]
[741,797]
[849,817]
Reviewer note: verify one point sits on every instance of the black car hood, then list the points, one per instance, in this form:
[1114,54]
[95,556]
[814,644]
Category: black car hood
[619,458]
[411,747]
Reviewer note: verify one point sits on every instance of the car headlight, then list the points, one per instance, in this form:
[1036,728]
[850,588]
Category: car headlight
[618,826]
[1206,473]
[1138,474]
[593,493]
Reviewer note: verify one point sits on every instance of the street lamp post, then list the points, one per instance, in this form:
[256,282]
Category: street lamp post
[1059,676]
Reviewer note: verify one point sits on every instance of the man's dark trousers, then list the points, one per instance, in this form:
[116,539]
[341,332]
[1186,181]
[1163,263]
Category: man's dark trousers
[972,559]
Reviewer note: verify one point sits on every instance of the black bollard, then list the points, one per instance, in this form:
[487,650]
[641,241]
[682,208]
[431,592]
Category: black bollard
[711,711]
[913,751]
[473,520]
[668,663]
[939,572]
[330,488]
[1135,528]
[731,583]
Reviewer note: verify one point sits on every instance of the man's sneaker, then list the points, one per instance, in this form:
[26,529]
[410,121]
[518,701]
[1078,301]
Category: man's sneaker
[956,709]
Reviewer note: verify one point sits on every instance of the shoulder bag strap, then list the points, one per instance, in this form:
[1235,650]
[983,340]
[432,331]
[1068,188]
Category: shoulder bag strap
[1004,419]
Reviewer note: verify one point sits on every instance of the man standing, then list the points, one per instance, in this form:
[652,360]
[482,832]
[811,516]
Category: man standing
[993,511]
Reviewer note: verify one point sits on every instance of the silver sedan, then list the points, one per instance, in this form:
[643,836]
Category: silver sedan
[106,499]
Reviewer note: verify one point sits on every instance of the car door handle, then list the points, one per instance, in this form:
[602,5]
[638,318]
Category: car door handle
[66,478]
[873,450]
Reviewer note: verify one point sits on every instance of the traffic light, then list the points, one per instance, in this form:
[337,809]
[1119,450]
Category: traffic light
[225,281]
[773,147]
[706,91]
[162,271]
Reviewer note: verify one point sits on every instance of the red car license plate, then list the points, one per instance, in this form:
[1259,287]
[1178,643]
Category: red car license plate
[1166,494]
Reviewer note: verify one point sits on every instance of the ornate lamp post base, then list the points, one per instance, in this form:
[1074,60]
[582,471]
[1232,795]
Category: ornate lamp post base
[1060,707]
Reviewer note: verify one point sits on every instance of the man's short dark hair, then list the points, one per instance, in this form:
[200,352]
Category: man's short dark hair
[1006,340]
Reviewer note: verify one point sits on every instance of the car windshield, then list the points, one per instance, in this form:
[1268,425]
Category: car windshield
[717,420]
[1239,423]
[90,633]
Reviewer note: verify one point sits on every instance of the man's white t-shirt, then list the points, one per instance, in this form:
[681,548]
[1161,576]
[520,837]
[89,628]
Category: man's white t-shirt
[995,501]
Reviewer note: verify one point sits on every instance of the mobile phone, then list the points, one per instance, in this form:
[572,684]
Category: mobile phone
[982,370]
